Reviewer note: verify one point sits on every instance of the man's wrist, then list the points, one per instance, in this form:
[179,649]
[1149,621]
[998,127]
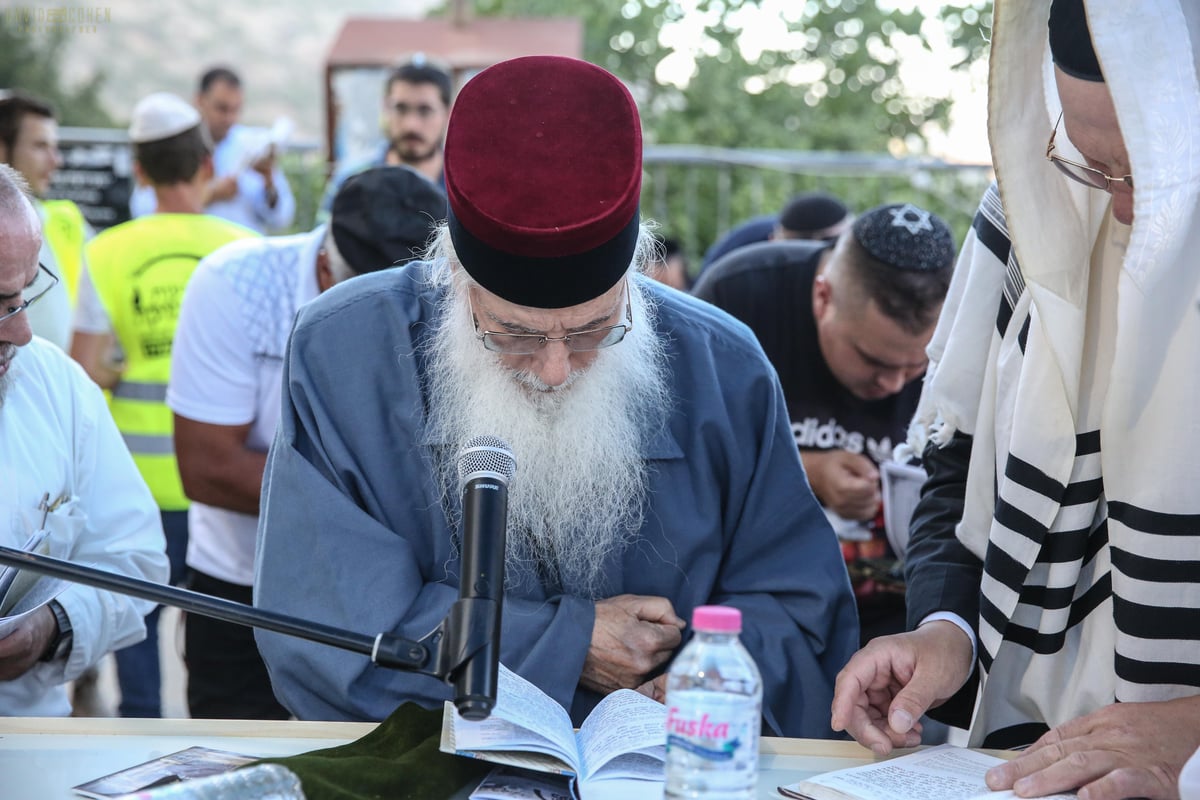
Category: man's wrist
[59,646]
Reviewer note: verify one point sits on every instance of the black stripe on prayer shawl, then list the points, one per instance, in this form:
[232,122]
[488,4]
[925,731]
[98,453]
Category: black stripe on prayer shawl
[989,229]
[1045,598]
[1087,443]
[1143,519]
[1064,547]
[1025,474]
[1156,673]
[1016,737]
[1045,643]
[1003,315]
[1019,522]
[1155,622]
[1004,568]
[1080,492]
[1155,570]
[1023,336]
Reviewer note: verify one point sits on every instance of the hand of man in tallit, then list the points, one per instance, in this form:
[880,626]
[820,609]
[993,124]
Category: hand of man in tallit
[882,692]
[1122,750]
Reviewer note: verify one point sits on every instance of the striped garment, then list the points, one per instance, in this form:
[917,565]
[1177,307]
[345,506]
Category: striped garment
[1076,374]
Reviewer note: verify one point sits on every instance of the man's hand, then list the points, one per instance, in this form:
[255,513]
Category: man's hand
[655,689]
[890,683]
[1122,750]
[633,636]
[22,648]
[221,189]
[846,483]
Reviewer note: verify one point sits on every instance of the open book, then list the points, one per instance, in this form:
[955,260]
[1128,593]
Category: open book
[945,772]
[618,751]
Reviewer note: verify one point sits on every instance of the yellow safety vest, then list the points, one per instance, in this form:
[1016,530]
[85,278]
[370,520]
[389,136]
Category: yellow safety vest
[140,269]
[66,232]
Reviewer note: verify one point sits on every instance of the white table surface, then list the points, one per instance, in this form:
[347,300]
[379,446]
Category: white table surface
[41,759]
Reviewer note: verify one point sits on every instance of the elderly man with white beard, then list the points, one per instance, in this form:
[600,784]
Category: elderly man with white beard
[656,467]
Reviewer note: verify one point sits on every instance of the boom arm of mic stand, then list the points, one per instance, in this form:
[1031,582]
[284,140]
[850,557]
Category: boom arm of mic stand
[441,653]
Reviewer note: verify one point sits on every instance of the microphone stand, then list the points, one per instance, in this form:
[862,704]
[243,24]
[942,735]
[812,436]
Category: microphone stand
[441,653]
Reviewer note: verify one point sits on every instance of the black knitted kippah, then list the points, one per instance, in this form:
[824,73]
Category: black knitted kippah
[1071,41]
[906,237]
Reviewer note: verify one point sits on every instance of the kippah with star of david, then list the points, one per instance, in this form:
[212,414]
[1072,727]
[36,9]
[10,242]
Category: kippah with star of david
[906,237]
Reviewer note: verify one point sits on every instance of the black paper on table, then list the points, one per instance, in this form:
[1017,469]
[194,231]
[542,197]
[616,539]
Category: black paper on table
[399,760]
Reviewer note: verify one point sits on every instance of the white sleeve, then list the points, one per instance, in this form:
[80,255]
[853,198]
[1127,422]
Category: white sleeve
[950,616]
[123,532]
[214,372]
[90,316]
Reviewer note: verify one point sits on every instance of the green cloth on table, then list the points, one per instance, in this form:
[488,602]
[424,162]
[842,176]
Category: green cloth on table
[399,760]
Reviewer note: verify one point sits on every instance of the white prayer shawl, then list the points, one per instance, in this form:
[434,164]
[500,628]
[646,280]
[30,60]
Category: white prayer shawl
[1087,518]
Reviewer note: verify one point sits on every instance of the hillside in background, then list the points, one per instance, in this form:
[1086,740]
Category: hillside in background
[278,48]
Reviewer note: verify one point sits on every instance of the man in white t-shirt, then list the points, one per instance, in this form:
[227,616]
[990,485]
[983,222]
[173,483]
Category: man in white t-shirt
[224,390]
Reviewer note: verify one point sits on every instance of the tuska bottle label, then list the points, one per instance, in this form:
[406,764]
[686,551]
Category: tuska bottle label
[706,727]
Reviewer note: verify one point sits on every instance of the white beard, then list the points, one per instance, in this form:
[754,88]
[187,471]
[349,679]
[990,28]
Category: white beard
[578,494]
[8,351]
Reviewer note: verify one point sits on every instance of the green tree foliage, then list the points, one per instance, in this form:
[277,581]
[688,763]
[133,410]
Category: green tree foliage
[836,57]
[822,75]
[32,63]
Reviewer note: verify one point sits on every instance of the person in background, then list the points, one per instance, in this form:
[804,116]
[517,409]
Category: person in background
[813,216]
[247,185]
[129,298]
[63,470]
[416,106]
[29,144]
[669,265]
[656,471]
[846,326]
[225,388]
[1054,562]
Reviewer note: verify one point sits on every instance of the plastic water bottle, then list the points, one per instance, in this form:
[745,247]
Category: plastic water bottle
[261,782]
[714,712]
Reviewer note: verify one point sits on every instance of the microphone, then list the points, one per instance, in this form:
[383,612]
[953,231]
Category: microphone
[485,467]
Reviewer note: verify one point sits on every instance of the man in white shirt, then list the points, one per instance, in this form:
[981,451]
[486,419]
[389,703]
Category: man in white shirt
[247,186]
[225,392]
[63,468]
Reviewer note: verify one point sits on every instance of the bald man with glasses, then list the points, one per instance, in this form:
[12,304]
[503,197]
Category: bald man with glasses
[64,475]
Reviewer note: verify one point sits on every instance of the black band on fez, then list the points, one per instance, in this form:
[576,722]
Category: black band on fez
[1071,41]
[539,282]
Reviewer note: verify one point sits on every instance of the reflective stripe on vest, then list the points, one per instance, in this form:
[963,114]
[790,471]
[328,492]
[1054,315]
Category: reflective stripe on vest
[148,392]
[143,445]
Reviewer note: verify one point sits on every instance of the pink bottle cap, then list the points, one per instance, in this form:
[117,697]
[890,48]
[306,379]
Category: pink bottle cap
[717,619]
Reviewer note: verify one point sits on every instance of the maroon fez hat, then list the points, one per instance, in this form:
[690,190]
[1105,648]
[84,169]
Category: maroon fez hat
[543,171]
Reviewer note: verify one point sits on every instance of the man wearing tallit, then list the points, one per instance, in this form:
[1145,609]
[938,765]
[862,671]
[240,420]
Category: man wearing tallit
[1054,565]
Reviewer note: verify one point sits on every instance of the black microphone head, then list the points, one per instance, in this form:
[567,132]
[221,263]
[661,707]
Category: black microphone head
[486,456]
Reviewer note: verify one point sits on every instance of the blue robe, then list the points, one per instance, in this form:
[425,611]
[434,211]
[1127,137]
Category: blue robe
[352,531]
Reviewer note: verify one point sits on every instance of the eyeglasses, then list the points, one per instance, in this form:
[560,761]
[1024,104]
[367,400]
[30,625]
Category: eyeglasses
[523,344]
[43,283]
[1088,176]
